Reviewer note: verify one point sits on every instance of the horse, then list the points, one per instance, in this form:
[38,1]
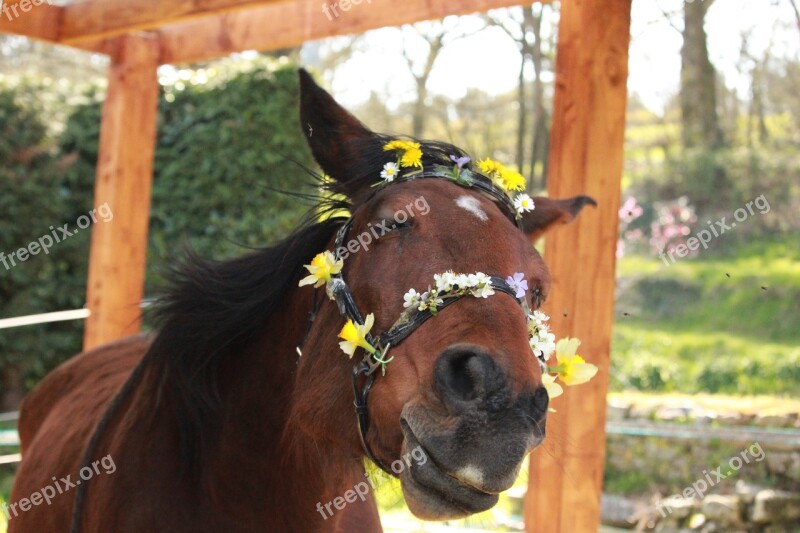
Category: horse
[237,413]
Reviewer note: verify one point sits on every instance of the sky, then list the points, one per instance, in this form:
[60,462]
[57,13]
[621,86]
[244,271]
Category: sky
[489,60]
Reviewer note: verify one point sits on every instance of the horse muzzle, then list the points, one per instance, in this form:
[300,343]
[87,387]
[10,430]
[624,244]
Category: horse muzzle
[474,436]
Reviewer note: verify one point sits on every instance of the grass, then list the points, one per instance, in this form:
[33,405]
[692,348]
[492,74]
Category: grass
[722,323]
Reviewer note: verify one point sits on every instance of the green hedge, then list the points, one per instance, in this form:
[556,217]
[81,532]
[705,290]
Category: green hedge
[223,150]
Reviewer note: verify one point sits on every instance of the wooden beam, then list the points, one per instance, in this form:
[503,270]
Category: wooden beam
[40,21]
[586,157]
[291,24]
[195,30]
[90,20]
[124,178]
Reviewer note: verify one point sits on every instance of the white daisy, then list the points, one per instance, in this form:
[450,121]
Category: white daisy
[390,172]
[523,203]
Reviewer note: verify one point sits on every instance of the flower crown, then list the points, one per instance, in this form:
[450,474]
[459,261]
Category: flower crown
[409,155]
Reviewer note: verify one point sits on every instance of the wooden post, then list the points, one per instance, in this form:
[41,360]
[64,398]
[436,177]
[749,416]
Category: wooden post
[586,154]
[124,180]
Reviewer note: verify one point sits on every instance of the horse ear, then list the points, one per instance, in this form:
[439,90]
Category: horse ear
[549,212]
[337,139]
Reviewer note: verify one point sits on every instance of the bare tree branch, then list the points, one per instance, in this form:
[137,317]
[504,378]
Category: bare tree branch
[796,12]
[668,17]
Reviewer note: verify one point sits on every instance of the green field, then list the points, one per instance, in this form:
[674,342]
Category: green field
[714,324]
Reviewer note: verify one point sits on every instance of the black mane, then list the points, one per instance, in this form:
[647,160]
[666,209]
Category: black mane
[212,309]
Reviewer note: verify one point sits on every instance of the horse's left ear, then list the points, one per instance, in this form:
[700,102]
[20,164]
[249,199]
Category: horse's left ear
[549,213]
[337,139]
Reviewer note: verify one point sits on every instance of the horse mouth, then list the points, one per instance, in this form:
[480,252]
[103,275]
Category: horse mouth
[434,494]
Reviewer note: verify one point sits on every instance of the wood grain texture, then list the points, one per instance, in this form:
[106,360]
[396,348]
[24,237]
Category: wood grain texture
[291,24]
[89,20]
[586,157]
[40,22]
[200,30]
[124,181]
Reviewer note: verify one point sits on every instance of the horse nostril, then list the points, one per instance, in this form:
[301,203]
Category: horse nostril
[463,372]
[541,400]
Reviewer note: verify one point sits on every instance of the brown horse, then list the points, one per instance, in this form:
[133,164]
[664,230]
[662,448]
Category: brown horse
[237,414]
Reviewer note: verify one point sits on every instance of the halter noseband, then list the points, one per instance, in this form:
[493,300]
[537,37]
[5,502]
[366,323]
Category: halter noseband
[338,290]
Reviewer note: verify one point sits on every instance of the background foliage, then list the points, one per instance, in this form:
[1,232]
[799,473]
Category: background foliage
[224,150]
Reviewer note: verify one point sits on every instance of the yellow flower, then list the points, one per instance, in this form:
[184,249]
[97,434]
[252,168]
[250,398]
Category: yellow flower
[572,369]
[355,336]
[512,181]
[328,195]
[399,144]
[553,389]
[412,158]
[509,180]
[412,152]
[321,269]
[490,167]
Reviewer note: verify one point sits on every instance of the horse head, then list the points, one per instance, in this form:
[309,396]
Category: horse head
[449,367]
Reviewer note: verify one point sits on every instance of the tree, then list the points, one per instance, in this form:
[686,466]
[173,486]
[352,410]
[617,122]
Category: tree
[698,96]
[435,36]
[524,27]
[796,10]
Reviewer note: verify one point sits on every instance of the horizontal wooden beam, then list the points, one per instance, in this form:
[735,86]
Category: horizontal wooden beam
[90,20]
[38,20]
[200,30]
[291,24]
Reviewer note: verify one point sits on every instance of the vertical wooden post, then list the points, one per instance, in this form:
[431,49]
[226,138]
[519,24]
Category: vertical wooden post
[124,180]
[586,154]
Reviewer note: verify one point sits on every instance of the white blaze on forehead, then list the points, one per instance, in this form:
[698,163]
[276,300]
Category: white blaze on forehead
[473,205]
[471,475]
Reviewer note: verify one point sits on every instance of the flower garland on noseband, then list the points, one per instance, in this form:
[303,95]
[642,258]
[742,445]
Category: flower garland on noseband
[325,269]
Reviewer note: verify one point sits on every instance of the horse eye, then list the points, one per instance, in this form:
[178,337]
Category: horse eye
[538,298]
[394,225]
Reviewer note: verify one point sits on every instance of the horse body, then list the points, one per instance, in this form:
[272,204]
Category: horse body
[247,486]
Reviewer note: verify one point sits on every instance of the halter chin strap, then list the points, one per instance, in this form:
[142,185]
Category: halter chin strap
[365,371]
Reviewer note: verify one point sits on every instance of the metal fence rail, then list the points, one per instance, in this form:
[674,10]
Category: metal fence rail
[9,438]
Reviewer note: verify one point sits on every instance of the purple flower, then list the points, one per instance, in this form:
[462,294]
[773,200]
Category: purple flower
[518,283]
[461,161]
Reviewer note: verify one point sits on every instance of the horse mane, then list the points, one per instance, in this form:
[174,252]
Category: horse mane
[212,309]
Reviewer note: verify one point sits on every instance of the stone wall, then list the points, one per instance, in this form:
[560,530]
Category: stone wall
[741,472]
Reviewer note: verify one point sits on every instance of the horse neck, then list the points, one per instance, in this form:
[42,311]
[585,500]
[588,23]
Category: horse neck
[265,455]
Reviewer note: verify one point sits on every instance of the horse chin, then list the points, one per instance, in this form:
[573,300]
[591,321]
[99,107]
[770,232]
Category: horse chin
[432,494]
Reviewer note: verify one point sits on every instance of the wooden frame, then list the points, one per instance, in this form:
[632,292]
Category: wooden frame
[586,158]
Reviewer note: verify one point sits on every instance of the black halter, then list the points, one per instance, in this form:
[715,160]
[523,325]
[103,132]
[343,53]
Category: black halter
[365,371]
